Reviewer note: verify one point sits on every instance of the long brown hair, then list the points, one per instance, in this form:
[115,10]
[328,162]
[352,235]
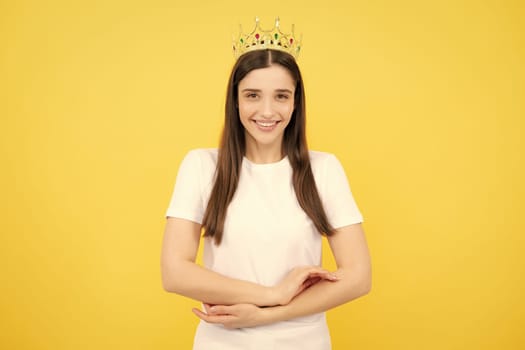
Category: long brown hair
[232,148]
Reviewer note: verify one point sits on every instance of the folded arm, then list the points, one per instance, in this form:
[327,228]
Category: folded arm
[181,275]
[350,250]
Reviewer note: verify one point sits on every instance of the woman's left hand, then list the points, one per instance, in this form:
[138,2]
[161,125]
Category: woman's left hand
[232,316]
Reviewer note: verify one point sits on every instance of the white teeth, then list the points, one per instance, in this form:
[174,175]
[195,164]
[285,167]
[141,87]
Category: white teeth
[265,124]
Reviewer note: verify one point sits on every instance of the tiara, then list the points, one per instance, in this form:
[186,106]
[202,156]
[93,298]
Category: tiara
[260,39]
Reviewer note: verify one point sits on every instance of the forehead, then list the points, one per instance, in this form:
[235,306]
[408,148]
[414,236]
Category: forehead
[269,78]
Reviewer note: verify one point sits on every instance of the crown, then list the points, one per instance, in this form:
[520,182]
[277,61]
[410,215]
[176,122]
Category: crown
[260,39]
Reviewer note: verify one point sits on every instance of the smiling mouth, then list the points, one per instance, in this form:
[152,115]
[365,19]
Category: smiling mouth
[266,124]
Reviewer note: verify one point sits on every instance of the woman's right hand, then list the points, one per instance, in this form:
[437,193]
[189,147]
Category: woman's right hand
[298,279]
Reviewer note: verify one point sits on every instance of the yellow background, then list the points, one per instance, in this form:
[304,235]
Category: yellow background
[422,101]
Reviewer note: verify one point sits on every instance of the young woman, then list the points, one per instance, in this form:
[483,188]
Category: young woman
[263,200]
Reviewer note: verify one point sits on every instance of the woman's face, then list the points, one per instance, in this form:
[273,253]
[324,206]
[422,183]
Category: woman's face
[266,103]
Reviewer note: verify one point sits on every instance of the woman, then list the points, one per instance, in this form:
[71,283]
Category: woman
[263,201]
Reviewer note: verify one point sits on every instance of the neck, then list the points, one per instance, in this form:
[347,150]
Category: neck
[263,154]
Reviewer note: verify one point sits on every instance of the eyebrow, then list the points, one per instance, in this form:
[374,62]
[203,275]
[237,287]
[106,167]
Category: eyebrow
[259,90]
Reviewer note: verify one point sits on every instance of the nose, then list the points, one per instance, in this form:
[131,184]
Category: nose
[267,110]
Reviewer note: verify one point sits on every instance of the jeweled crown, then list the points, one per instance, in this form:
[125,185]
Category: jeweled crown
[260,39]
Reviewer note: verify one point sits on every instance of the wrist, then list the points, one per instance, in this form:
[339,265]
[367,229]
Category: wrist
[271,297]
[267,315]
[272,314]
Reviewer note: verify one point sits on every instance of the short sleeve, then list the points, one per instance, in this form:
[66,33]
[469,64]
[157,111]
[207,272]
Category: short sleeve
[186,201]
[336,195]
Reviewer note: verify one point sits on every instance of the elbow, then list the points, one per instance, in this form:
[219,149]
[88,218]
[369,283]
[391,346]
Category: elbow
[366,286]
[168,286]
[175,276]
[359,282]
[366,283]
[362,283]
[169,283]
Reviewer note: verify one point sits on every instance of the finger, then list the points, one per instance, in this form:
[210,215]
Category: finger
[309,282]
[324,274]
[207,307]
[222,319]
[221,310]
[308,272]
[315,269]
[199,314]
[312,281]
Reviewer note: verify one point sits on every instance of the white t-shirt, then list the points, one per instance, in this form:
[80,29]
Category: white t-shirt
[266,234]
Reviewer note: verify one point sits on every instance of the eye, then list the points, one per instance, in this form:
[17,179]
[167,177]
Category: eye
[251,95]
[283,96]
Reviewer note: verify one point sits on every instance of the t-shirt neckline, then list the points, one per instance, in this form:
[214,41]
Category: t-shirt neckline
[271,165]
